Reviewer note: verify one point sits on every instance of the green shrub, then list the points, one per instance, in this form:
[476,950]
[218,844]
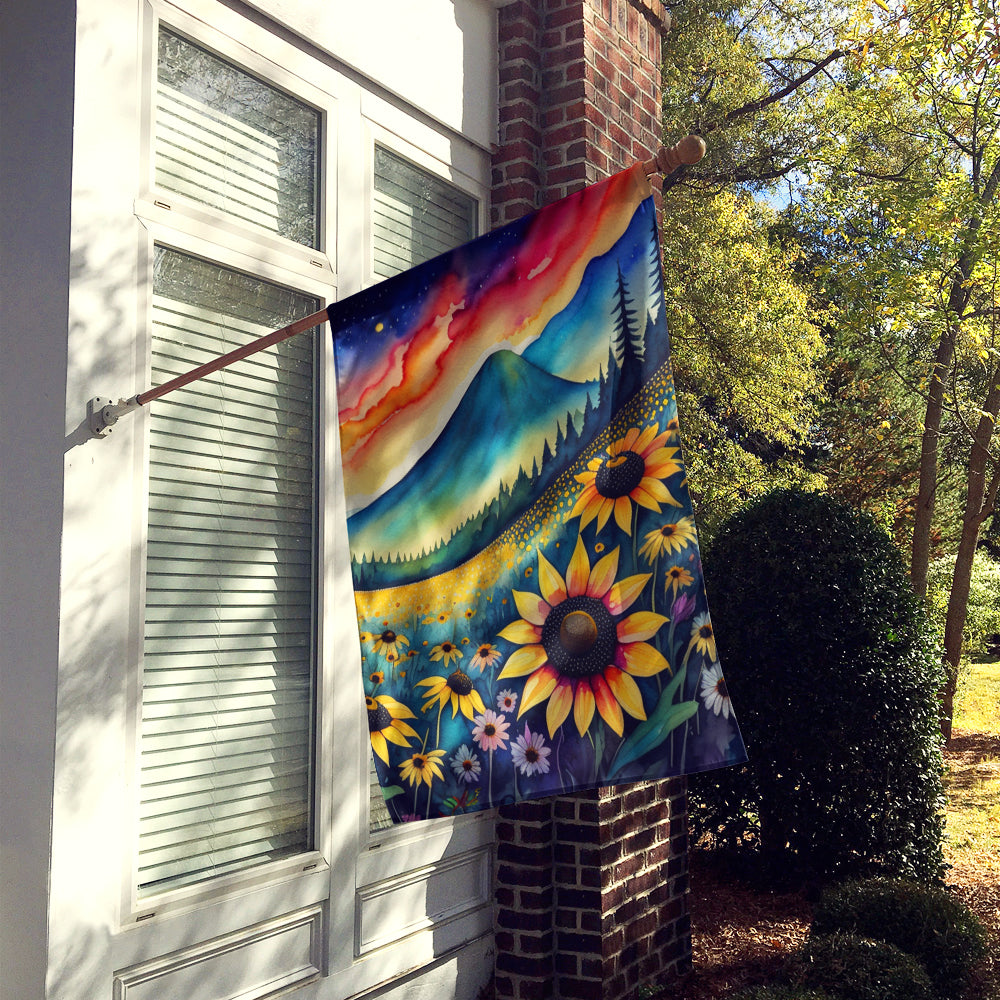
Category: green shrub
[834,674]
[982,618]
[856,968]
[926,922]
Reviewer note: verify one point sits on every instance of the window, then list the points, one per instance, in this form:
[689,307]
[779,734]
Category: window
[229,646]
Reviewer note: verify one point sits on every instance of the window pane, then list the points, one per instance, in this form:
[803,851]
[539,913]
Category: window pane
[228,654]
[229,140]
[417,215]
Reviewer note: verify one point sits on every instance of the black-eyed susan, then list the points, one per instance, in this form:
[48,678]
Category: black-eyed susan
[677,577]
[389,644]
[456,688]
[385,722]
[422,768]
[577,650]
[669,538]
[446,652]
[703,637]
[485,656]
[630,470]
[376,676]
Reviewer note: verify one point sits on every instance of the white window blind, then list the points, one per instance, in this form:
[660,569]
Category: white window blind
[228,659]
[416,216]
[228,140]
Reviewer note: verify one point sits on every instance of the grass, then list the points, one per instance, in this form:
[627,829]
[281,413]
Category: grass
[973,783]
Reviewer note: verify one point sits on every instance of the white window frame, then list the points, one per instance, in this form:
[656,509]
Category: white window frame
[351,870]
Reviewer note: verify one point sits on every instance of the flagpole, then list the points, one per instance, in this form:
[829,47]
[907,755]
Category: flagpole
[103,413]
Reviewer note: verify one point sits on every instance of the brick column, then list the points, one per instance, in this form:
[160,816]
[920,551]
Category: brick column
[591,889]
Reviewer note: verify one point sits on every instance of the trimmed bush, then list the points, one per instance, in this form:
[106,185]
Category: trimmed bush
[857,968]
[926,922]
[834,673]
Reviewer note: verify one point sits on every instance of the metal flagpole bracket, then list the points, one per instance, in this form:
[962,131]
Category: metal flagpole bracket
[103,413]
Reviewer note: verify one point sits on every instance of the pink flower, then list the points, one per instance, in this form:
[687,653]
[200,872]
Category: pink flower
[490,731]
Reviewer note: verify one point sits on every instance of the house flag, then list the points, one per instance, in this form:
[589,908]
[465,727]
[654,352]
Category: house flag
[529,593]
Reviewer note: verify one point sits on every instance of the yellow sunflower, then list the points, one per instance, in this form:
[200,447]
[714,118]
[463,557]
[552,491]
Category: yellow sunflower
[385,722]
[669,538]
[422,768]
[458,689]
[446,652]
[577,651]
[677,577]
[631,469]
[388,643]
[703,637]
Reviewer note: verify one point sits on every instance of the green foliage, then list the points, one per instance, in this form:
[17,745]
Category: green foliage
[926,922]
[746,355]
[857,968]
[983,611]
[833,672]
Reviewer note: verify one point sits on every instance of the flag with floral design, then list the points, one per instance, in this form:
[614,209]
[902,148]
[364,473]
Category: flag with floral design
[529,593]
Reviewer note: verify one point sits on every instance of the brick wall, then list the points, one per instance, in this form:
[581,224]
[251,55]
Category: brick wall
[579,96]
[591,889]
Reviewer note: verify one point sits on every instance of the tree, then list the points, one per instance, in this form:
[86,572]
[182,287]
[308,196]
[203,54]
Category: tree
[915,191]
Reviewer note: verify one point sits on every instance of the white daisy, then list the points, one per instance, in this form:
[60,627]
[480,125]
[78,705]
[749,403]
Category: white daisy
[466,764]
[714,692]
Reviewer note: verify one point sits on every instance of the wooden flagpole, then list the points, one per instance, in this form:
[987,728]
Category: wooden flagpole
[102,414]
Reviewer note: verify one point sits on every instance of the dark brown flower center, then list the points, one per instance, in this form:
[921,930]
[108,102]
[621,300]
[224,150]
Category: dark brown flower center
[378,716]
[619,474]
[705,631]
[720,686]
[489,729]
[419,762]
[388,636]
[459,682]
[468,765]
[579,636]
[531,755]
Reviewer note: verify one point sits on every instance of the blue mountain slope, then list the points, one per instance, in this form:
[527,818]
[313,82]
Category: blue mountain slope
[511,408]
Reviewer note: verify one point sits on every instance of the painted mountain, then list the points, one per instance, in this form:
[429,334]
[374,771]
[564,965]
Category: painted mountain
[483,449]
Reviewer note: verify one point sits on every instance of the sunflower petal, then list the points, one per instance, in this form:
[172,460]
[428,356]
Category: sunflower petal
[639,626]
[396,708]
[578,571]
[403,727]
[607,506]
[626,691]
[650,493]
[550,582]
[524,661]
[538,687]
[521,632]
[390,734]
[607,704]
[532,607]
[560,702]
[380,747]
[602,576]
[427,682]
[625,592]
[627,443]
[643,660]
[477,702]
[583,706]
[623,514]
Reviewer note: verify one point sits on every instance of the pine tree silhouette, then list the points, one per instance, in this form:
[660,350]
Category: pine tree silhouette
[628,342]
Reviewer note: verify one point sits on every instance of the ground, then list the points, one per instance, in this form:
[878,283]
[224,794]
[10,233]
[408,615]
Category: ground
[741,935]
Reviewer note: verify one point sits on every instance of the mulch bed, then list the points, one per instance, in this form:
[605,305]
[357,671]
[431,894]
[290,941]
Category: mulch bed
[742,935]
